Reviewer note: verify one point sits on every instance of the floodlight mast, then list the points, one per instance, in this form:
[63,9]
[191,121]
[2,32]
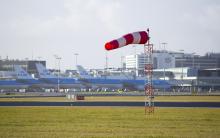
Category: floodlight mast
[148,69]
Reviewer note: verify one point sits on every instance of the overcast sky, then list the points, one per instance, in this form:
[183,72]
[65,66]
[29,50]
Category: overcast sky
[43,28]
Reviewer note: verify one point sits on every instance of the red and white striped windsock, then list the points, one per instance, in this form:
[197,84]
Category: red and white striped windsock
[132,38]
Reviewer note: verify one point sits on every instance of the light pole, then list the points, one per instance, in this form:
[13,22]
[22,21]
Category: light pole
[164,75]
[182,67]
[164,44]
[122,59]
[58,78]
[26,60]
[76,54]
[193,64]
[136,61]
[106,65]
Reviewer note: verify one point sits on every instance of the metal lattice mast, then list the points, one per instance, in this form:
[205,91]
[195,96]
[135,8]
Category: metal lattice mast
[149,92]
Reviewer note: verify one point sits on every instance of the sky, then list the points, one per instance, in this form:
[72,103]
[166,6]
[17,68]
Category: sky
[40,29]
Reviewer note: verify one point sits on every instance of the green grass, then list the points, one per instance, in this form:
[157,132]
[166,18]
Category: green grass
[52,122]
[123,98]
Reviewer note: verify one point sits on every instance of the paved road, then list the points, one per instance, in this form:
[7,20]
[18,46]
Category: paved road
[54,94]
[158,104]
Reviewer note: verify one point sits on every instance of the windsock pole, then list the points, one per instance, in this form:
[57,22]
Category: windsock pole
[149,92]
[141,37]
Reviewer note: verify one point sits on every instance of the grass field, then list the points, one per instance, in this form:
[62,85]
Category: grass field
[123,98]
[52,122]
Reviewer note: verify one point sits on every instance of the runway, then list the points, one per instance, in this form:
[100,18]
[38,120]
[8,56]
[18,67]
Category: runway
[122,104]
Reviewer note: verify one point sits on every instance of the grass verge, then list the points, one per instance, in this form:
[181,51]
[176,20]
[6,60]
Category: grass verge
[64,122]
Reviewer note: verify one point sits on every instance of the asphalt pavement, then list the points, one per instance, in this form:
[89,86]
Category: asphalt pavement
[129,104]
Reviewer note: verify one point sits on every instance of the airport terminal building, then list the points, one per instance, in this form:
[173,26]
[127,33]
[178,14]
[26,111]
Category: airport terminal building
[183,70]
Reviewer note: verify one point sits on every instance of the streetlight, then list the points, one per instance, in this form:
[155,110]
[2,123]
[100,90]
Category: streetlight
[106,65]
[122,58]
[193,64]
[76,54]
[58,78]
[136,60]
[164,44]
[182,66]
[26,60]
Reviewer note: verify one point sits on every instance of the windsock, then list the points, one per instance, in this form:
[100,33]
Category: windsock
[132,38]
